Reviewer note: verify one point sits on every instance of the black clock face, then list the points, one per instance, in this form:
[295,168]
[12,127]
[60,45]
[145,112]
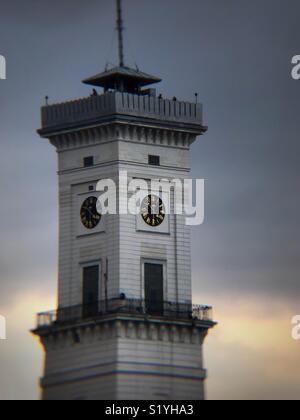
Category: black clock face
[153,210]
[90,217]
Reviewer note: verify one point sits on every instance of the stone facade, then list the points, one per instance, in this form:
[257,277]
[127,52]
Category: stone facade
[125,359]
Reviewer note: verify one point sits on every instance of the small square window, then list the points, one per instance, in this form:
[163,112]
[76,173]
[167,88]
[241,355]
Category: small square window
[91,188]
[88,161]
[154,160]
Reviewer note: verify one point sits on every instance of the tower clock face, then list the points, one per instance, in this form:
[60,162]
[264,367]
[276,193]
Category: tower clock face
[89,215]
[153,210]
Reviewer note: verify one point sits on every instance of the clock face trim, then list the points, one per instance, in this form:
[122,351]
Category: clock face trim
[153,210]
[90,218]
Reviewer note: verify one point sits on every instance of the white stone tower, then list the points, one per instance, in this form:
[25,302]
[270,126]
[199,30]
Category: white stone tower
[125,327]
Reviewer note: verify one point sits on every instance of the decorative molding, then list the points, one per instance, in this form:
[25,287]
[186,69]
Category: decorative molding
[124,329]
[122,132]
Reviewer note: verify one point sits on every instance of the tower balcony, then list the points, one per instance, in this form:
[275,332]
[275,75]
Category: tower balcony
[136,308]
[112,106]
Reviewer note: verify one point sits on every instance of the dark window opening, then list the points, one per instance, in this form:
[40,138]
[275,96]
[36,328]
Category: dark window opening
[154,289]
[88,161]
[154,160]
[90,296]
[91,188]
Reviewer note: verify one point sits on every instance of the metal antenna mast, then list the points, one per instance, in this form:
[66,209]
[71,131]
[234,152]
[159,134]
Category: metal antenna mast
[120,29]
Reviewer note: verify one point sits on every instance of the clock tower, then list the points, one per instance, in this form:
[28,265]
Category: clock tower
[125,326]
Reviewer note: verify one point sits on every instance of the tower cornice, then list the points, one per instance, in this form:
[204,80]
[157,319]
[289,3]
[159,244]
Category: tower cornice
[121,107]
[133,327]
[122,131]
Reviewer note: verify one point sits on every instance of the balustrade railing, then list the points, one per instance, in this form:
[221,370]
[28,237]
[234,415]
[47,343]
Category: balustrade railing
[168,310]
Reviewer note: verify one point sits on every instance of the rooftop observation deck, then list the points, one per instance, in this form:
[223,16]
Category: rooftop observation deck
[137,308]
[119,105]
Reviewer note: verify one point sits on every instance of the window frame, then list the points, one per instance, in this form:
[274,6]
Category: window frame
[154,160]
[88,161]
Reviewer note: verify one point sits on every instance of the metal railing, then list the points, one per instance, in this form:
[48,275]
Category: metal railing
[138,307]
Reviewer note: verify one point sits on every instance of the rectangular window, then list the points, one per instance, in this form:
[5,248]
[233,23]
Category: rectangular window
[154,289]
[88,161]
[90,298]
[154,160]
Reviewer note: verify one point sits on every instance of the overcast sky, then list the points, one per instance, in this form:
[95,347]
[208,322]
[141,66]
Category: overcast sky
[237,55]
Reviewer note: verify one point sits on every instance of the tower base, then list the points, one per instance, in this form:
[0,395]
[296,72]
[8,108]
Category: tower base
[124,358]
